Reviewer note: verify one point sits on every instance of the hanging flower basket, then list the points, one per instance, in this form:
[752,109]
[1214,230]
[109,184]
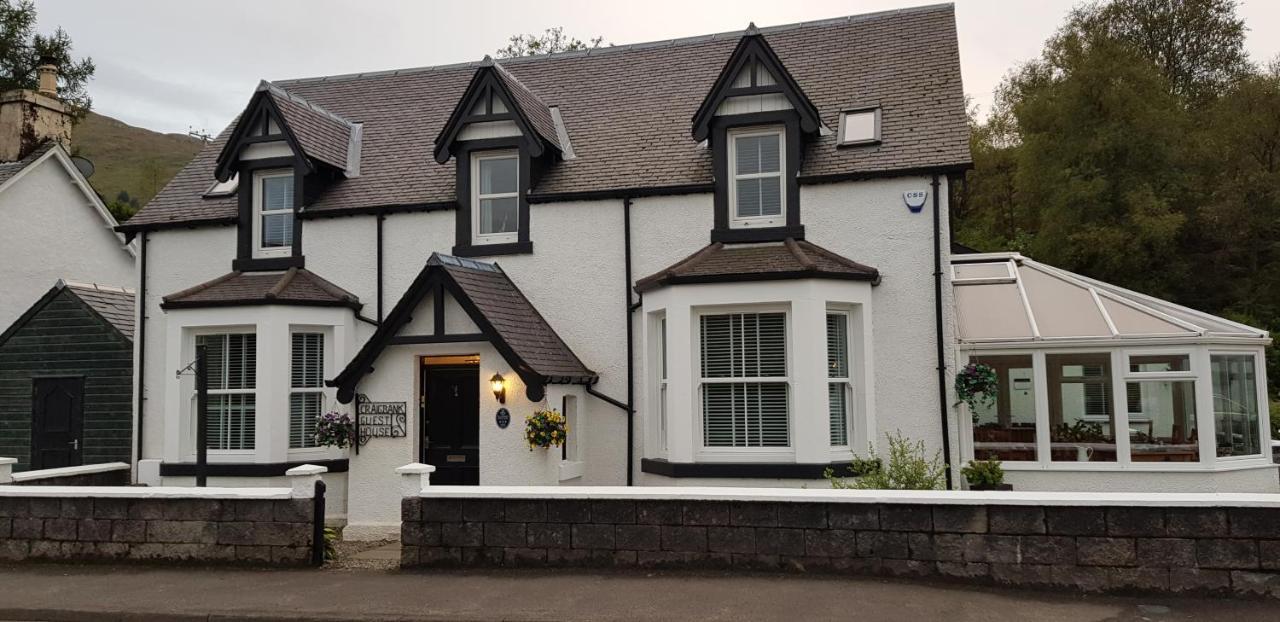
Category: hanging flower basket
[977,386]
[545,429]
[335,430]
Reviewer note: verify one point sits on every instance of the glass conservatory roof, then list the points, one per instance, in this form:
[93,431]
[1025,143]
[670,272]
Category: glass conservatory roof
[1005,297]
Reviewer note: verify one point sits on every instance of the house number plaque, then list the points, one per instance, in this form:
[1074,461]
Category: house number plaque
[503,418]
[381,419]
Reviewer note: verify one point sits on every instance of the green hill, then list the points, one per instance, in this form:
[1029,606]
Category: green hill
[131,160]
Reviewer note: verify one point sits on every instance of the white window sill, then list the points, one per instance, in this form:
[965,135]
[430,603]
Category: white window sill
[571,469]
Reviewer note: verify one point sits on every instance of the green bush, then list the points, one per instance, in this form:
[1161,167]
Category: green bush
[983,473]
[908,469]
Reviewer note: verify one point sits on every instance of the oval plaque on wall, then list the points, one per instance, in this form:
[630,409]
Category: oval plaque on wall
[503,418]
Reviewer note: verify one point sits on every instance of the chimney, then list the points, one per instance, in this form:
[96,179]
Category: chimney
[30,118]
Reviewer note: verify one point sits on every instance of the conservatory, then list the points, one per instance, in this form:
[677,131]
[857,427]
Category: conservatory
[1102,386]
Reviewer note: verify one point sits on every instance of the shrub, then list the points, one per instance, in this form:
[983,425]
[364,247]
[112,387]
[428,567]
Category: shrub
[983,473]
[908,469]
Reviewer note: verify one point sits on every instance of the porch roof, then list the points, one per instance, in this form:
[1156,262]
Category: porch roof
[295,286]
[1009,298]
[790,259]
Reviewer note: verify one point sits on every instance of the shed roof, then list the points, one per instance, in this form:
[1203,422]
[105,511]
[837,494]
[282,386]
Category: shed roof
[115,305]
[1009,298]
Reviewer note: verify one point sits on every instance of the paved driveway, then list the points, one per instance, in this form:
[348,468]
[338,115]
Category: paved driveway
[56,592]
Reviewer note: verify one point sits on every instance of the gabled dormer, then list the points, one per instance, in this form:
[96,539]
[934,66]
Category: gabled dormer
[501,136]
[282,150]
[756,118]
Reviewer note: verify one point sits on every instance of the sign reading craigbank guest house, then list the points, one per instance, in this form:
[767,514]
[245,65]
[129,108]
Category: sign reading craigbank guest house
[381,419]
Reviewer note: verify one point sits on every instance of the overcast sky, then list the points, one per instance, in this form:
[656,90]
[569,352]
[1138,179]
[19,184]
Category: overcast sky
[169,65]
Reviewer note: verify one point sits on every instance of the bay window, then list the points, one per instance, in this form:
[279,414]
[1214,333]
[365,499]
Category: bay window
[306,388]
[232,381]
[273,213]
[757,191]
[744,384]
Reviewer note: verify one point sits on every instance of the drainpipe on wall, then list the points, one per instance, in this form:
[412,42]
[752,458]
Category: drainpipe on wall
[937,302]
[381,217]
[141,342]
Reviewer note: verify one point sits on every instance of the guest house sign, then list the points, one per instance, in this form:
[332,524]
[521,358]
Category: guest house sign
[381,419]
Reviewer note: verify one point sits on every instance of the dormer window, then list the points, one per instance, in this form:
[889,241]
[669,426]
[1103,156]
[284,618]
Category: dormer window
[756,157]
[273,213]
[495,197]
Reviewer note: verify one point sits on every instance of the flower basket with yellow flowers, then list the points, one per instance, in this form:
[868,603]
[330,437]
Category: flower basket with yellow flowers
[545,429]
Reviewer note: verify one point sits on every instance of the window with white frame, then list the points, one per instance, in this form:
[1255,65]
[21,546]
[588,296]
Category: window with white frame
[495,197]
[1004,428]
[232,360]
[273,213]
[744,383]
[571,450]
[306,388]
[1082,420]
[1161,400]
[662,382]
[757,194]
[838,386]
[1235,404]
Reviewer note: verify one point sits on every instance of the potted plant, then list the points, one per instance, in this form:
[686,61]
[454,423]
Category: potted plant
[985,475]
[335,430]
[977,385]
[545,429]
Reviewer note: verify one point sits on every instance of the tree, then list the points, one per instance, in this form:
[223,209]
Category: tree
[22,50]
[551,40]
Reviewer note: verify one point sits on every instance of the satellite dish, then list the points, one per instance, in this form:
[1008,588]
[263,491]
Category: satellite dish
[83,165]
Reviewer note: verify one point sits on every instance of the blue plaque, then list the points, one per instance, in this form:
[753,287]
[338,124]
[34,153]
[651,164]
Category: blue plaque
[504,418]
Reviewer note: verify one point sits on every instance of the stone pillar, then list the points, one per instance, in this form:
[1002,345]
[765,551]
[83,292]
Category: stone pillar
[6,470]
[414,478]
[303,480]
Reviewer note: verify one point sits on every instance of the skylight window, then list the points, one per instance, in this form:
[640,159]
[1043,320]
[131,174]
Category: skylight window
[860,127]
[223,188]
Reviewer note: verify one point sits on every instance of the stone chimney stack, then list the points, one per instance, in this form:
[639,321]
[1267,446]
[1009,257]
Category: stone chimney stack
[29,118]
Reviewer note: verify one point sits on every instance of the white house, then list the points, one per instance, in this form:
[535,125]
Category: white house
[56,226]
[723,258]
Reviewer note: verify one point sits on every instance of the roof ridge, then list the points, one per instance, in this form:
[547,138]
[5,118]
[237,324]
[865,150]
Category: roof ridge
[328,287]
[275,89]
[112,289]
[613,49]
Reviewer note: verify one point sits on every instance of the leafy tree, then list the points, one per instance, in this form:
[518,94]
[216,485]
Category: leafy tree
[551,40]
[22,50]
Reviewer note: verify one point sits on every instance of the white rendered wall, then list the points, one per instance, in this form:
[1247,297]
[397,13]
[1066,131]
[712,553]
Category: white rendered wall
[52,232]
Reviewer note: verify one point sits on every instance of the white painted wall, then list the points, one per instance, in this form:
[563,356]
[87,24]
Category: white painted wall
[53,231]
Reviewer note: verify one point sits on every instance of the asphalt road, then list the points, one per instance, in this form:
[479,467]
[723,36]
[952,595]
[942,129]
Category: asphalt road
[60,592]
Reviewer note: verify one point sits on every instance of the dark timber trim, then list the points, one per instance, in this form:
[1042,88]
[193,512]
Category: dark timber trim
[493,250]
[753,47]
[248,469]
[245,261]
[485,85]
[131,230]
[463,246]
[761,470]
[260,264]
[720,129]
[379,210]
[261,108]
[622,193]
[248,302]
[404,340]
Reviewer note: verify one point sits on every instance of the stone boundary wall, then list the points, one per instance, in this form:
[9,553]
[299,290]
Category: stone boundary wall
[1186,545]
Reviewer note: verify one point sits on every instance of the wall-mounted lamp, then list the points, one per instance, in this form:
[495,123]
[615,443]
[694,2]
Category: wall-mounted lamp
[499,386]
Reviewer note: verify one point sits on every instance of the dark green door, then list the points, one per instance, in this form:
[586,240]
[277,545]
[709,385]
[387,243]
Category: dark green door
[451,414]
[57,421]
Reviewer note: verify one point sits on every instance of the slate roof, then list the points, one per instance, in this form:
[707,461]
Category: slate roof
[537,112]
[295,286]
[114,304]
[628,111]
[9,169]
[790,259]
[321,134]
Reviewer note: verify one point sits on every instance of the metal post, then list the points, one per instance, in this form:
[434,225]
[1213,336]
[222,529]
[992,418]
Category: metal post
[317,526]
[202,414]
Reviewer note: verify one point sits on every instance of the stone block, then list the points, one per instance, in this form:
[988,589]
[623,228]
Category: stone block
[547,536]
[1075,521]
[409,555]
[753,514]
[740,540]
[77,507]
[659,512]
[27,529]
[992,549]
[129,531]
[618,558]
[963,570]
[192,509]
[290,555]
[1022,575]
[15,507]
[1089,579]
[1094,551]
[462,534]
[293,511]
[1048,550]
[1253,584]
[568,511]
[147,509]
[1167,552]
[592,536]
[483,510]
[1254,522]
[1196,523]
[47,549]
[684,538]
[110,508]
[1227,553]
[187,532]
[483,556]
[661,559]
[906,518]
[907,568]
[853,516]
[770,541]
[1142,522]
[639,537]
[60,528]
[504,535]
[949,547]
[411,509]
[6,528]
[411,533]
[920,546]
[1143,579]
[1269,554]
[706,513]
[883,544]
[613,511]
[526,511]
[519,556]
[960,518]
[281,534]
[440,556]
[253,554]
[568,557]
[14,550]
[172,551]
[46,507]
[802,515]
[1016,519]
[94,530]
[442,510]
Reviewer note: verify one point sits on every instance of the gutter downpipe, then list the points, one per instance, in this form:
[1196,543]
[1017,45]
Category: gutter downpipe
[937,300]
[630,308]
[381,217]
[141,339]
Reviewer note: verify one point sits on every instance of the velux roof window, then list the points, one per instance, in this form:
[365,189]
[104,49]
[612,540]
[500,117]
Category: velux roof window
[860,126]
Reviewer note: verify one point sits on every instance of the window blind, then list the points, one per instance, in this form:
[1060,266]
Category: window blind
[838,373]
[745,400]
[306,395]
[232,361]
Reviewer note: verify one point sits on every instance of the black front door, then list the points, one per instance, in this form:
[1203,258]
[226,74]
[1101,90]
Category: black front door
[57,421]
[451,413]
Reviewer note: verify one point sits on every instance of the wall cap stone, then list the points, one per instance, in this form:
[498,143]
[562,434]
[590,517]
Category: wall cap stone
[146,492]
[931,497]
[71,471]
